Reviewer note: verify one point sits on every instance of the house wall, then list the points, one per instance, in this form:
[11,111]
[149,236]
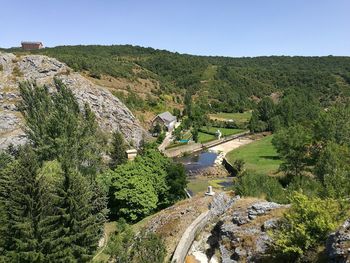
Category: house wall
[171,125]
[31,46]
[158,120]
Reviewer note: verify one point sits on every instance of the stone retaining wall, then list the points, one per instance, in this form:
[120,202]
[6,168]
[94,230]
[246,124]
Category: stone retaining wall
[187,238]
[218,206]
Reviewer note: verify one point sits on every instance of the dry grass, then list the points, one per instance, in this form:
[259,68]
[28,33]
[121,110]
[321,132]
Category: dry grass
[172,222]
[16,72]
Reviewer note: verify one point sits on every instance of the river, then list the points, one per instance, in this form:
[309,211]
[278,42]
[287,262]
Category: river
[195,162]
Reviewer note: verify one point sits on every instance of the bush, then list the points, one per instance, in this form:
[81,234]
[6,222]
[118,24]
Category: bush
[260,185]
[308,222]
[307,185]
[238,167]
[126,246]
[161,138]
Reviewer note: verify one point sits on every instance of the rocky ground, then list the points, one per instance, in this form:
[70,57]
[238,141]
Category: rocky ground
[110,112]
[338,244]
[239,235]
[171,222]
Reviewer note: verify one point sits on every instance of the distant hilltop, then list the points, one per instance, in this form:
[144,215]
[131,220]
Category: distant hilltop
[31,45]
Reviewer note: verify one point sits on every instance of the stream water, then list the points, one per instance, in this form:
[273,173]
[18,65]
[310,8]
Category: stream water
[198,161]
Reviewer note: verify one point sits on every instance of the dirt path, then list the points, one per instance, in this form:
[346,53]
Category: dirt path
[231,145]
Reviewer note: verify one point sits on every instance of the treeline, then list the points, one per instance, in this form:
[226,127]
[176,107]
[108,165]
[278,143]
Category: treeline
[230,82]
[58,190]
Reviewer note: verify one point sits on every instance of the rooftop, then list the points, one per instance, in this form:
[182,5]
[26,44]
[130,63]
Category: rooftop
[31,43]
[167,116]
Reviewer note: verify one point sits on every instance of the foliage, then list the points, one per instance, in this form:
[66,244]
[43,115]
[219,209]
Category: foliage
[238,167]
[232,81]
[58,128]
[161,137]
[195,134]
[305,184]
[293,146]
[134,194]
[126,246]
[118,150]
[262,186]
[334,125]
[141,187]
[157,129]
[177,181]
[256,125]
[51,209]
[39,204]
[308,222]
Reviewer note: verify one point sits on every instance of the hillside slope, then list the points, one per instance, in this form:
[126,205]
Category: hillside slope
[110,112]
[154,80]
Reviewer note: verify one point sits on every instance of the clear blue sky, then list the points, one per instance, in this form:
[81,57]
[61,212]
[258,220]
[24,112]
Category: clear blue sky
[215,27]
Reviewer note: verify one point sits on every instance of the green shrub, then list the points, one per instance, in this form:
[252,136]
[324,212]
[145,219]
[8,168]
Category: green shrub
[307,185]
[260,185]
[306,224]
[126,246]
[161,138]
[238,167]
[1,67]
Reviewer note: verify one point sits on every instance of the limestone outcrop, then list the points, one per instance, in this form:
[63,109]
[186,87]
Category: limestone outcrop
[240,234]
[110,112]
[338,244]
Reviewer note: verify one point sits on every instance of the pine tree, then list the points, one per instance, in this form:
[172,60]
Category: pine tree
[59,129]
[118,151]
[74,223]
[5,175]
[23,206]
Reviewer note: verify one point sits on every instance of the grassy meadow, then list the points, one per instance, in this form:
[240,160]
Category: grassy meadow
[259,156]
[206,137]
[239,118]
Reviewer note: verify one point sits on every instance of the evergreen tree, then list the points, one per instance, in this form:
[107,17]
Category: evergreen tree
[58,128]
[5,176]
[72,225]
[24,209]
[118,151]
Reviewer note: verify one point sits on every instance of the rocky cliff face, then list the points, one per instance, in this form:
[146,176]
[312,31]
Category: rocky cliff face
[111,113]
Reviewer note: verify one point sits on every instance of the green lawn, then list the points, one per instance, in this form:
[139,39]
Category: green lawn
[237,117]
[259,156]
[224,131]
[205,137]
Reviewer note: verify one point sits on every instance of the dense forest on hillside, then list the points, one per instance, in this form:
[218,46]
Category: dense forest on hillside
[230,84]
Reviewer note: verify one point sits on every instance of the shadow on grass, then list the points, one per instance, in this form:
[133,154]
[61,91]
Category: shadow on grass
[270,157]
